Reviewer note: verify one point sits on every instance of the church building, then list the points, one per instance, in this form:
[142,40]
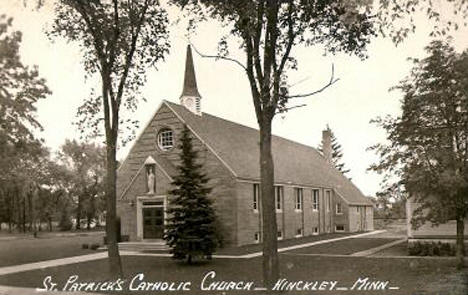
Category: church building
[311,196]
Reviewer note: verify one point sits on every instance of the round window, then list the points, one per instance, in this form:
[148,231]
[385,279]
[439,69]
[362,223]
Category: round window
[165,139]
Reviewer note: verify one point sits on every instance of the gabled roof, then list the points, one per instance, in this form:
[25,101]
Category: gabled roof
[237,146]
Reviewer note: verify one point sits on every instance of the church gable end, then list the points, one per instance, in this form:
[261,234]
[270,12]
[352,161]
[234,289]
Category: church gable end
[147,145]
[132,178]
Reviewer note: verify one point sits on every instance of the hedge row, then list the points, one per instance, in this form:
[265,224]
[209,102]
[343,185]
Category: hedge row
[431,249]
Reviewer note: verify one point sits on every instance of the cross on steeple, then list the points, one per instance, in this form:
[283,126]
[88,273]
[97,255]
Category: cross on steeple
[190,98]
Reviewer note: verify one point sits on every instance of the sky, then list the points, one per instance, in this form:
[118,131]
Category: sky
[361,94]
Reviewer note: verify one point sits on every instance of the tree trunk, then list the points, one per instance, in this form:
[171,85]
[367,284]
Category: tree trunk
[78,213]
[11,209]
[18,209]
[189,259]
[50,223]
[460,247]
[30,212]
[270,242]
[88,223]
[115,264]
[90,212]
[23,218]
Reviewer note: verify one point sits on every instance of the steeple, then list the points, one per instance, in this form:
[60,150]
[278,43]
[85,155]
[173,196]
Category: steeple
[190,98]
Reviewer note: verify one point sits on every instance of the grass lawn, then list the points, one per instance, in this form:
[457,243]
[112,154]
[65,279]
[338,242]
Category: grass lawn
[26,249]
[344,247]
[412,276]
[397,250]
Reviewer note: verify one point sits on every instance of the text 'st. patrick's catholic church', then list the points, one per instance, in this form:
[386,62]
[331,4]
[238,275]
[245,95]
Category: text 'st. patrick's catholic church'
[311,196]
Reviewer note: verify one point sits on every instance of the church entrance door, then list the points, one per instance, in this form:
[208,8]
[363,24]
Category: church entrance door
[153,221]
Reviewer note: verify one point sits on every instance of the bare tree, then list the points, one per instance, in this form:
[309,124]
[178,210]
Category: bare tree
[268,30]
[119,41]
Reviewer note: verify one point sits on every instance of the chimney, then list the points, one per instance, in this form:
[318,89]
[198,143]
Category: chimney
[190,97]
[326,145]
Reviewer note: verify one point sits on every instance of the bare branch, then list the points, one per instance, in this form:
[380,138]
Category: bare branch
[218,57]
[330,83]
[300,81]
[284,110]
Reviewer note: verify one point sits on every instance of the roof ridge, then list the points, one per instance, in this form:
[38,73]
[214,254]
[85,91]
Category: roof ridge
[252,128]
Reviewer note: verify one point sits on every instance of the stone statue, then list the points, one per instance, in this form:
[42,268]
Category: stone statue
[150,181]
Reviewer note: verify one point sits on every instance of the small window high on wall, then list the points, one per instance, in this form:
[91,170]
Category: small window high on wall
[165,139]
[339,208]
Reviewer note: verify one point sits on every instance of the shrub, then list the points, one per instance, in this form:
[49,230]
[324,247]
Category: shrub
[431,249]
[424,250]
[414,249]
[94,246]
[437,249]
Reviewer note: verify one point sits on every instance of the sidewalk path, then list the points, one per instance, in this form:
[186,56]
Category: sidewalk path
[50,263]
[379,248]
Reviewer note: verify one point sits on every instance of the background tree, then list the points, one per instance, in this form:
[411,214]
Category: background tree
[86,166]
[426,155]
[21,153]
[119,41]
[268,30]
[397,19]
[191,227]
[337,153]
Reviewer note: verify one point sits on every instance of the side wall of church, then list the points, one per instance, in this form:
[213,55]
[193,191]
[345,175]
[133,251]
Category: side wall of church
[291,222]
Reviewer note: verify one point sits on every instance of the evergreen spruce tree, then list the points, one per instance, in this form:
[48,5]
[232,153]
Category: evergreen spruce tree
[191,229]
[337,153]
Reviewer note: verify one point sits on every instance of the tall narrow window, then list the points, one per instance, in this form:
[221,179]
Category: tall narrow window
[299,198]
[256,194]
[279,198]
[339,209]
[315,199]
[328,200]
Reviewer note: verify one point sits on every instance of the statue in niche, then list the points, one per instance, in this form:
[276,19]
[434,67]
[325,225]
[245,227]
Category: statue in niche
[150,177]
